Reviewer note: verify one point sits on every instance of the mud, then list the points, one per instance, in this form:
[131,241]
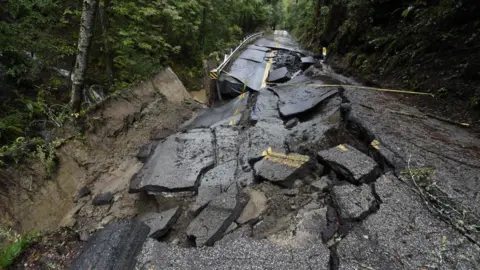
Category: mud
[103,160]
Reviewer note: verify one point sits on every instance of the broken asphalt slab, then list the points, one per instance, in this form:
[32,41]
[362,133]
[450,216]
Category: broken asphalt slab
[403,234]
[253,55]
[268,132]
[160,223]
[279,75]
[115,247]
[350,163]
[283,169]
[301,96]
[248,72]
[213,221]
[215,182]
[209,117]
[266,106]
[177,163]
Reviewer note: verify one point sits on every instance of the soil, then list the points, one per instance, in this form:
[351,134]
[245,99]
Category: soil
[103,159]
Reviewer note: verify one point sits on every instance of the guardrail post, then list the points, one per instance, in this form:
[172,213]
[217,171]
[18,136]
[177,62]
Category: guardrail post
[213,91]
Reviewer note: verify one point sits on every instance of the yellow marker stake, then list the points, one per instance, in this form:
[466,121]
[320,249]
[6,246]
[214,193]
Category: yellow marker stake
[342,147]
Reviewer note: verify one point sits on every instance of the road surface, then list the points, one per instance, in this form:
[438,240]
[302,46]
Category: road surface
[302,176]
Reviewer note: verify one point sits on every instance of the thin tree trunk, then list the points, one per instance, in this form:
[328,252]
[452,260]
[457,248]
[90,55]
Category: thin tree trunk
[106,43]
[90,8]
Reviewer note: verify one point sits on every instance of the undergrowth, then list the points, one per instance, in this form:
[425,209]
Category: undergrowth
[15,246]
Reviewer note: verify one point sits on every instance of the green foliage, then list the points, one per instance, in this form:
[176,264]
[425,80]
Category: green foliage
[16,245]
[132,40]
[46,154]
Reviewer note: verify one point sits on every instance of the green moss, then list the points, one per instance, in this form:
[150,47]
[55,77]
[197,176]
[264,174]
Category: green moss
[16,246]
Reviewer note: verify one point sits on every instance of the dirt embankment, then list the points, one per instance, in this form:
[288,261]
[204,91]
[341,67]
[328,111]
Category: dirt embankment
[103,159]
[412,45]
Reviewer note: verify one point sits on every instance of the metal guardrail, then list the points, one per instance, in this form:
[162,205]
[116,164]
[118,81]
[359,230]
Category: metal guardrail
[215,73]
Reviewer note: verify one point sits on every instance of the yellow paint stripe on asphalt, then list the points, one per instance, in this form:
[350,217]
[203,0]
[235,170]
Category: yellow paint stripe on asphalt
[268,66]
[291,156]
[291,163]
[376,144]
[353,86]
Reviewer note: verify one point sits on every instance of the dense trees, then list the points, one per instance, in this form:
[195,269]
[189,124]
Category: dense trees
[420,45]
[131,40]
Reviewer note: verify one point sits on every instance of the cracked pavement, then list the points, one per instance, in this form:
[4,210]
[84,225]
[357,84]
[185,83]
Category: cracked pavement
[304,177]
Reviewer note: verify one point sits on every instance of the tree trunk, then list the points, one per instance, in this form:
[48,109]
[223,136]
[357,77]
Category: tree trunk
[106,44]
[84,41]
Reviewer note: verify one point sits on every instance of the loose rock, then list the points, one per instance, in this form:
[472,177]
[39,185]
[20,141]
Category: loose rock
[83,192]
[144,152]
[291,123]
[254,208]
[322,183]
[103,199]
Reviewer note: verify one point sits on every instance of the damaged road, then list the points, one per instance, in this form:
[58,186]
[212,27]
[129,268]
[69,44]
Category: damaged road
[300,176]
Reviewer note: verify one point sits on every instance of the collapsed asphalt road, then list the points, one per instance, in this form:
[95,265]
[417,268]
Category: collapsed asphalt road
[303,177]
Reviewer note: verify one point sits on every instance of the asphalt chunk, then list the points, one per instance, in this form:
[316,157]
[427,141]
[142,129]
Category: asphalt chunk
[282,169]
[279,75]
[177,163]
[266,133]
[266,106]
[350,163]
[115,247]
[160,223]
[301,96]
[210,225]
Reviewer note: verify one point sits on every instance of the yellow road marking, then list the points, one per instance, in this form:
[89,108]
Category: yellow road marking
[236,112]
[290,156]
[292,160]
[232,122]
[269,65]
[342,147]
[287,162]
[376,144]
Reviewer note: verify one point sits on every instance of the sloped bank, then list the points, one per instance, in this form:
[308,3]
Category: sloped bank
[100,161]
